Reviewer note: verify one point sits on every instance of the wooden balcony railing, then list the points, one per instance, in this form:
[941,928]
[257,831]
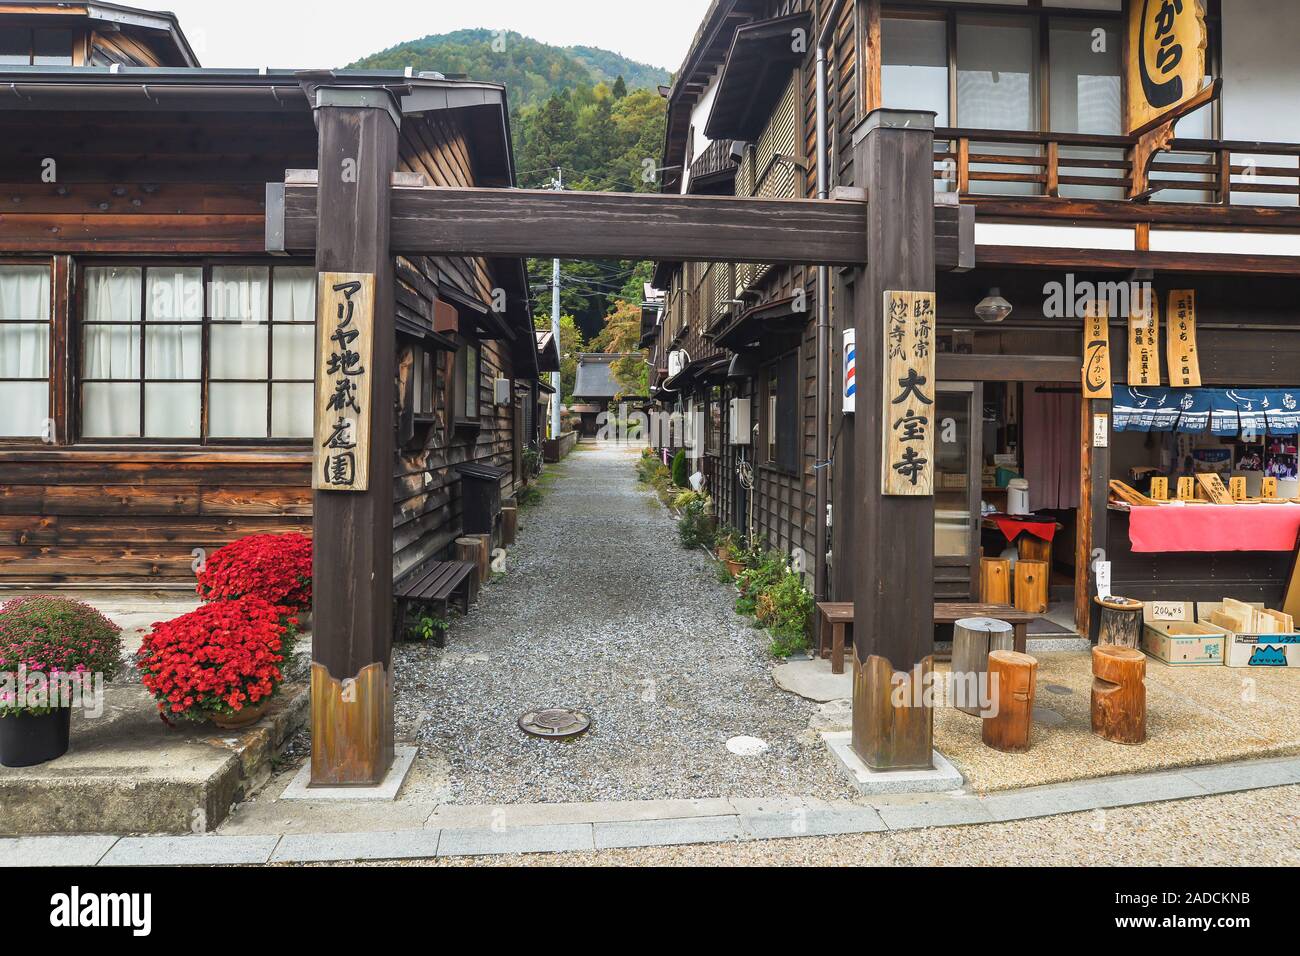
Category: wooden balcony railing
[1063,165]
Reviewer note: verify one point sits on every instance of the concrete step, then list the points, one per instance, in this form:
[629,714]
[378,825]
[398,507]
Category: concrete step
[128,772]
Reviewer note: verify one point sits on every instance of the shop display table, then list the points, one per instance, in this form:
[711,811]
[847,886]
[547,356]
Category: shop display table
[1175,528]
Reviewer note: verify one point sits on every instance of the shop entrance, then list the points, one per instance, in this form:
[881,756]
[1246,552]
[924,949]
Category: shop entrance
[1008,489]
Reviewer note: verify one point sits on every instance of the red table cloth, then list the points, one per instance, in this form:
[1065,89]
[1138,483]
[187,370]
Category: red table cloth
[1174,528]
[1012,528]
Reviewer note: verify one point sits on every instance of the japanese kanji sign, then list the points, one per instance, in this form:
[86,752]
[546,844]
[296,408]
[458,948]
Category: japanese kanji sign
[1184,361]
[1144,338]
[345,322]
[908,422]
[1096,351]
[1166,52]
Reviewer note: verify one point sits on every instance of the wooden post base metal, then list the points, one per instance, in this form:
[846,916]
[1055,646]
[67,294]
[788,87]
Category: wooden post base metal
[893,727]
[351,728]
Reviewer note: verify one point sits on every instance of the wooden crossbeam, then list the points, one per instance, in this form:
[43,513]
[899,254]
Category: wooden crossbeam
[583,225]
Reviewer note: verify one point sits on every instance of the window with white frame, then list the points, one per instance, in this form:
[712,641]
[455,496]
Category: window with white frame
[197,354]
[25,351]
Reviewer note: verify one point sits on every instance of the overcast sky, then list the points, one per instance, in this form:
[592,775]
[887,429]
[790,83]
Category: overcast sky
[331,33]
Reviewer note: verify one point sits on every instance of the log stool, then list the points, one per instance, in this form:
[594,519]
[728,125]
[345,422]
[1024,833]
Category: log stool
[1119,694]
[1012,681]
[509,524]
[1033,548]
[1032,579]
[1121,621]
[477,549]
[972,641]
[995,581]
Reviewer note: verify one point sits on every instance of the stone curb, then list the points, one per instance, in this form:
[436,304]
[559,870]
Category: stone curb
[748,820]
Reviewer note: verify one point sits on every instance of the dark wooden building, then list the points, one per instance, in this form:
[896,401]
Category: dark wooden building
[156,363]
[1029,103]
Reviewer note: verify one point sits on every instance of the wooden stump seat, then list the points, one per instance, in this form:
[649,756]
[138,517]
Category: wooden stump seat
[1032,581]
[837,620]
[1119,694]
[1121,621]
[1013,679]
[973,639]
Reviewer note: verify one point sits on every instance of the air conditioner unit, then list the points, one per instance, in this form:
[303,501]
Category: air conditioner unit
[740,429]
[501,391]
[676,363]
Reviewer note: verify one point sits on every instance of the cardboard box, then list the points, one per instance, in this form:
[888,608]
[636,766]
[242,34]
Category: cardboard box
[1171,634]
[1256,650]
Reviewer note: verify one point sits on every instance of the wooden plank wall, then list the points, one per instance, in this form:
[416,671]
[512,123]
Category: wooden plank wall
[427,497]
[192,185]
[784,504]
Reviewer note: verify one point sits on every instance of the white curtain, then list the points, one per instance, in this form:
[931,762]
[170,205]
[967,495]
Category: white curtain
[240,296]
[173,352]
[111,350]
[24,350]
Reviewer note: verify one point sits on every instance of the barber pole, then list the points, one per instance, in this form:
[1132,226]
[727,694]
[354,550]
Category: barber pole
[850,372]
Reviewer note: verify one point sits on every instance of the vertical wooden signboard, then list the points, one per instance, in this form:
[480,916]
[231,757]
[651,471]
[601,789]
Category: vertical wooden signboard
[1184,361]
[1096,351]
[345,334]
[1144,338]
[908,424]
[1167,44]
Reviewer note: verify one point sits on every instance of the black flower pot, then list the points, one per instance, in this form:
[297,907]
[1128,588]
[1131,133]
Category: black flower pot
[28,740]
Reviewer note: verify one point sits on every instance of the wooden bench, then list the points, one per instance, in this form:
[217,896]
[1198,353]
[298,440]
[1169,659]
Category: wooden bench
[435,582]
[838,618]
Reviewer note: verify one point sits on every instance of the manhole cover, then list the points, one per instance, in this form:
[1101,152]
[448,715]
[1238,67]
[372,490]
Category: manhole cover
[556,723]
[1058,690]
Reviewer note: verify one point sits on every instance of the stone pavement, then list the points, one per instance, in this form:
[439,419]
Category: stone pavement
[487,831]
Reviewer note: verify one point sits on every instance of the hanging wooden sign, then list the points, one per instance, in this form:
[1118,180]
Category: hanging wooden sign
[1096,351]
[908,423]
[1184,361]
[1167,40]
[1144,338]
[345,327]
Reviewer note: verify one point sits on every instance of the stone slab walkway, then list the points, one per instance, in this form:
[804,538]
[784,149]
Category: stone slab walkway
[485,831]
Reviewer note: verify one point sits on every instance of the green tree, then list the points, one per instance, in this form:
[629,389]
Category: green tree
[620,87]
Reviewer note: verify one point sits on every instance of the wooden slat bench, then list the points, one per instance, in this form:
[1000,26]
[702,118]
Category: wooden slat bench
[435,582]
[837,618]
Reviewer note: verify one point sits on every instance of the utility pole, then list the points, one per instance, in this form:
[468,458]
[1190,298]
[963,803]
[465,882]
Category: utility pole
[556,378]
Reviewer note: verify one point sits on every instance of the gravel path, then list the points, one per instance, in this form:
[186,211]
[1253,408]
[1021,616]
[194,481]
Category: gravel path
[603,611]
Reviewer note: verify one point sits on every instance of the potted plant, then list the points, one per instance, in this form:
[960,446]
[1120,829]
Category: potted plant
[51,650]
[274,567]
[222,662]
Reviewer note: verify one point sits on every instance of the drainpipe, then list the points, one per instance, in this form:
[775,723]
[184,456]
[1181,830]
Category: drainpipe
[823,377]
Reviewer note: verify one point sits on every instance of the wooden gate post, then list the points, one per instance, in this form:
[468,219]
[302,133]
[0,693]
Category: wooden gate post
[352,573]
[892,541]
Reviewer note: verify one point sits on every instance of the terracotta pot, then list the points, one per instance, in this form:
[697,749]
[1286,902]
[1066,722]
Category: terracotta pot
[28,740]
[736,568]
[245,718]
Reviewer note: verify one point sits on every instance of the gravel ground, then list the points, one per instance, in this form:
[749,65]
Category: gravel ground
[1248,829]
[601,610]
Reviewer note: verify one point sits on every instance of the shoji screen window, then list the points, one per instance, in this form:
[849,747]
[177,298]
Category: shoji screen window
[191,354]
